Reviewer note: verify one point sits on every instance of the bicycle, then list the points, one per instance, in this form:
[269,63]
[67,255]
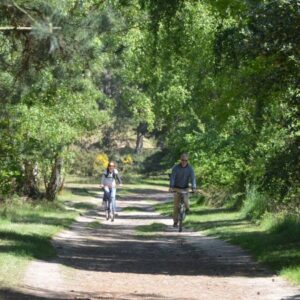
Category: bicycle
[181,209]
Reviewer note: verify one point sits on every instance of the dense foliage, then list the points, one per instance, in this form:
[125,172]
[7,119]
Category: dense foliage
[224,81]
[49,89]
[217,79]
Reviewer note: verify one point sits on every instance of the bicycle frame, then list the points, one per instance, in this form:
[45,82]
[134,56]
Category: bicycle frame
[181,209]
[109,212]
[181,213]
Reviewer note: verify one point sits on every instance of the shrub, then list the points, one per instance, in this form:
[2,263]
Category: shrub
[101,162]
[282,223]
[127,160]
[255,204]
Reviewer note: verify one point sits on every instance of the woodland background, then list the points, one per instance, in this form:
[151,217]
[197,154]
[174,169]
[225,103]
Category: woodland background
[82,82]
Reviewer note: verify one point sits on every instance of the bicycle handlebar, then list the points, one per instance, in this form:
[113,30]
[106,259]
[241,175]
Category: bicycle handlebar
[183,192]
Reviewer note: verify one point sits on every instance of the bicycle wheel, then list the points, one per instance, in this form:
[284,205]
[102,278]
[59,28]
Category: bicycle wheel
[107,210]
[180,217]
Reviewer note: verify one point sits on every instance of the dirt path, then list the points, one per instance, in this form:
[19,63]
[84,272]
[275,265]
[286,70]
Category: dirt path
[111,262]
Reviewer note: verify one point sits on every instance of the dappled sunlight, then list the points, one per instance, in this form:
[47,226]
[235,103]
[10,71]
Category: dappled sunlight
[27,245]
[140,243]
[109,247]
[277,250]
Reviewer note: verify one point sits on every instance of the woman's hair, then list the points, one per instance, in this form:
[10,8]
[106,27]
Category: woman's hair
[110,163]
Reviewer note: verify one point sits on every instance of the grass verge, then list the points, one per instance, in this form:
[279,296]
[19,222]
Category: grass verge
[143,186]
[95,225]
[26,229]
[275,241]
[132,209]
[150,230]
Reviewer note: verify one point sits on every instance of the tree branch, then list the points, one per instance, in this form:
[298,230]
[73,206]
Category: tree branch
[22,28]
[24,11]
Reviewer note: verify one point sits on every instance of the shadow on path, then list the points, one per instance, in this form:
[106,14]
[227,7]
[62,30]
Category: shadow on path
[40,294]
[116,247]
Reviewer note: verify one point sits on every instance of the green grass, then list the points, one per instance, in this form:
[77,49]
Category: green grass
[144,185]
[291,273]
[132,209]
[26,229]
[150,230]
[157,181]
[81,180]
[274,242]
[95,225]
[84,205]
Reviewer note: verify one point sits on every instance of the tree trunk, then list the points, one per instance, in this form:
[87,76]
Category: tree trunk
[140,133]
[139,142]
[30,187]
[56,179]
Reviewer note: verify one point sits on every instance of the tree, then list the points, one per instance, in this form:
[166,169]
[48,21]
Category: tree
[50,94]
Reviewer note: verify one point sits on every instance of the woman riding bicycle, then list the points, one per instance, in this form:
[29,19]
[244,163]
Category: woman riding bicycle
[181,175]
[108,183]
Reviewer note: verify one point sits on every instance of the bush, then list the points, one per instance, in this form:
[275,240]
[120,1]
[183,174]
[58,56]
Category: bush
[87,163]
[127,159]
[101,162]
[255,204]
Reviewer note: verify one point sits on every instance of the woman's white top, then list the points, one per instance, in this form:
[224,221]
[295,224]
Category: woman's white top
[109,179]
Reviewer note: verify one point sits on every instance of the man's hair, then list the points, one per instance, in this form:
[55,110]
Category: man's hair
[184,155]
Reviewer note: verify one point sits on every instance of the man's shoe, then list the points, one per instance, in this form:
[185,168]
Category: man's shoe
[175,225]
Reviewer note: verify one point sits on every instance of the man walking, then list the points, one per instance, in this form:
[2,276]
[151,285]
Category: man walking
[182,175]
